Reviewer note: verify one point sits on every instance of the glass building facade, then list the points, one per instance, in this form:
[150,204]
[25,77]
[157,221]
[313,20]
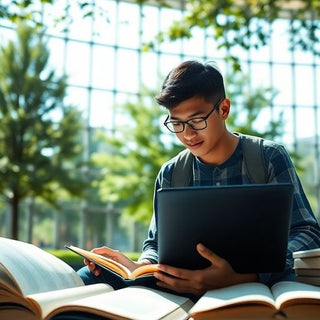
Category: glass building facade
[104,58]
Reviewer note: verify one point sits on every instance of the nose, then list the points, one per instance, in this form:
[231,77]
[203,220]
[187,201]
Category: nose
[188,132]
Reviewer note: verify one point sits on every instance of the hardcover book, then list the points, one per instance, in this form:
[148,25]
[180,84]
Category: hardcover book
[35,285]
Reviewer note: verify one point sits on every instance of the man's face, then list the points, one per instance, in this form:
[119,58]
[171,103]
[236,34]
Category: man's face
[201,142]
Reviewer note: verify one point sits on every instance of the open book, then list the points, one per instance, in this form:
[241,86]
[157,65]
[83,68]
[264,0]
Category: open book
[115,266]
[285,300]
[35,285]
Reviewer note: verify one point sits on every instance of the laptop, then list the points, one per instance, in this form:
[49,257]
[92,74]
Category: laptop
[248,225]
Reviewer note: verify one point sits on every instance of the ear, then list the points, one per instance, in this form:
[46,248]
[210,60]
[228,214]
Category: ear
[224,108]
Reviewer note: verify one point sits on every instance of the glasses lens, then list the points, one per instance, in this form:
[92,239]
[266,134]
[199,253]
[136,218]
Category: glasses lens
[197,123]
[174,126]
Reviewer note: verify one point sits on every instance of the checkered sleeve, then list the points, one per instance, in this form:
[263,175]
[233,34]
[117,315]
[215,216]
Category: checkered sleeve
[304,230]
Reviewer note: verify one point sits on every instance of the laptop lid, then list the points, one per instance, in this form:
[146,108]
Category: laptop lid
[248,225]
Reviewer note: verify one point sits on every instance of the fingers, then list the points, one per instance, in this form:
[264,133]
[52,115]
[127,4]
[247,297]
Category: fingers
[93,267]
[186,274]
[169,282]
[96,270]
[210,255]
[115,255]
[174,278]
[218,274]
[173,272]
[111,253]
[105,251]
[181,280]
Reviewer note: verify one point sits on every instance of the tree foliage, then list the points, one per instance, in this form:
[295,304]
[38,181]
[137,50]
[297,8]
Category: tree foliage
[31,11]
[248,106]
[136,153]
[245,24]
[39,135]
[231,23]
[134,157]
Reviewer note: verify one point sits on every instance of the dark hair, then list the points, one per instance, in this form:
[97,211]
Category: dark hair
[189,79]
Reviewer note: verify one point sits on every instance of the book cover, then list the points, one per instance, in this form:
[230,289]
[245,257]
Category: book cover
[307,253]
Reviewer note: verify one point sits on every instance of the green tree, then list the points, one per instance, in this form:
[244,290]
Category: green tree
[133,158]
[39,135]
[245,24]
[135,154]
[32,10]
[246,107]
[231,22]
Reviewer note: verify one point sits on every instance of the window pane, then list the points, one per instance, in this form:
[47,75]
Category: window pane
[282,80]
[127,74]
[101,109]
[304,86]
[103,67]
[78,63]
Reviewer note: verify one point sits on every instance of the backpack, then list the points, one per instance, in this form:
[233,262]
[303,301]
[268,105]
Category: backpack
[253,157]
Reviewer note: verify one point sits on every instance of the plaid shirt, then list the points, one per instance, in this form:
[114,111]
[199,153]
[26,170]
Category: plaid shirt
[304,229]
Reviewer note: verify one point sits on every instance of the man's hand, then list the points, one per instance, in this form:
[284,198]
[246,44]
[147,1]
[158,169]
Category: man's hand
[115,255]
[219,274]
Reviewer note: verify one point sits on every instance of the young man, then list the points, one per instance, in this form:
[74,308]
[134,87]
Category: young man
[194,95]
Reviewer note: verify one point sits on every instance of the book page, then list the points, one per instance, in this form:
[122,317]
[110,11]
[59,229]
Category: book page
[115,266]
[6,280]
[46,302]
[145,270]
[290,292]
[134,303]
[35,270]
[12,300]
[102,261]
[246,293]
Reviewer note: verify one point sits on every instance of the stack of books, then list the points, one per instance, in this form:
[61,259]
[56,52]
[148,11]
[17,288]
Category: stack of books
[307,266]
[35,285]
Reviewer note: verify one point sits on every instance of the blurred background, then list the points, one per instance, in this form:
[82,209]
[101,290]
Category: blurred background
[81,137]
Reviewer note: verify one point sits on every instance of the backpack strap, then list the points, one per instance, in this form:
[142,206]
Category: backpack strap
[253,157]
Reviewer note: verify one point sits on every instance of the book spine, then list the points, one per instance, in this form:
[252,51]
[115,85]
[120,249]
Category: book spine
[307,263]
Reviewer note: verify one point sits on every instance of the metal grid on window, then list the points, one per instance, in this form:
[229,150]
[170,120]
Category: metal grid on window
[106,65]
[118,67]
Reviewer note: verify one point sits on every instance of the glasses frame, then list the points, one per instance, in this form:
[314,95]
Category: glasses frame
[166,122]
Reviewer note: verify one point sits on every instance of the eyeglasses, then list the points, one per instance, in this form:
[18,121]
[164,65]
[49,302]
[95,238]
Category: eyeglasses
[197,123]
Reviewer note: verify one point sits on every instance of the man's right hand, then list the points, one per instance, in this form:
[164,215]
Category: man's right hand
[115,255]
